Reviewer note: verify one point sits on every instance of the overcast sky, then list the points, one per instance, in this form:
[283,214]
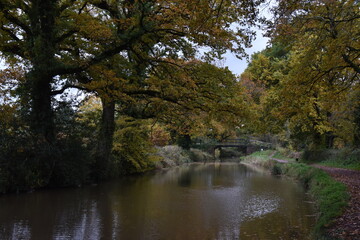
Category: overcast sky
[237,66]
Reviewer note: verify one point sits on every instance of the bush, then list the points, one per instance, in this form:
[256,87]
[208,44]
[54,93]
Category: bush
[313,156]
[72,165]
[172,155]
[197,155]
[276,170]
[28,163]
[132,151]
[159,136]
[22,165]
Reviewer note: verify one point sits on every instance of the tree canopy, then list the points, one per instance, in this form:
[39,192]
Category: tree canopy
[306,82]
[146,75]
[143,59]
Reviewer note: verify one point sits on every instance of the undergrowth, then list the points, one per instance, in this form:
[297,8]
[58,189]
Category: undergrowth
[344,158]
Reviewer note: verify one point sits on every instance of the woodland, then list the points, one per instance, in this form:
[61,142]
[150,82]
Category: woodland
[90,88]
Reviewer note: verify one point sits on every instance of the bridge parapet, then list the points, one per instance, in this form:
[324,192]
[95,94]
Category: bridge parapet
[244,145]
[235,143]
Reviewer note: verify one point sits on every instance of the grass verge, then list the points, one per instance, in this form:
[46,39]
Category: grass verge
[343,158]
[330,196]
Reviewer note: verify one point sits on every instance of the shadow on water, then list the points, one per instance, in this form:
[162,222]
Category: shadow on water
[198,201]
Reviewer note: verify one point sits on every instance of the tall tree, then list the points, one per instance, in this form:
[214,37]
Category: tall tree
[323,66]
[60,42]
[61,37]
[327,32]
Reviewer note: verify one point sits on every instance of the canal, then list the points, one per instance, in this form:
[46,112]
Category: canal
[196,201]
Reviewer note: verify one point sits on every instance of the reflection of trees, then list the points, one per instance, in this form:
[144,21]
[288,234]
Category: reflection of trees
[207,176]
[86,226]
[19,230]
[275,226]
[213,206]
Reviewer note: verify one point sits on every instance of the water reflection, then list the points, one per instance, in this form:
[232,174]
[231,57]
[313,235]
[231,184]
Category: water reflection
[199,201]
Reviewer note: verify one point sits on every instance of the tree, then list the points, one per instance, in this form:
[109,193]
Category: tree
[59,38]
[199,97]
[327,32]
[62,43]
[322,67]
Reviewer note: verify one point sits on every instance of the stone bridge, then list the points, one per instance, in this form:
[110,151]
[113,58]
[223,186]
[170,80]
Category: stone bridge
[244,145]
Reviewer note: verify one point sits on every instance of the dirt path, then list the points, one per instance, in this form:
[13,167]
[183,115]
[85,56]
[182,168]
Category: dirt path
[347,226]
[276,159]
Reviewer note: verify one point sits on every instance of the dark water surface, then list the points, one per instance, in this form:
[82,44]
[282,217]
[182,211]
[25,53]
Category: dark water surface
[199,201]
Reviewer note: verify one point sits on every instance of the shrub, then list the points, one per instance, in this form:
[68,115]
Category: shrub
[132,151]
[197,155]
[72,165]
[159,136]
[276,170]
[173,155]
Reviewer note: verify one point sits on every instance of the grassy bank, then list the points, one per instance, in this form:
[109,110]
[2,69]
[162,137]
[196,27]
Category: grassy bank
[330,196]
[343,158]
[173,155]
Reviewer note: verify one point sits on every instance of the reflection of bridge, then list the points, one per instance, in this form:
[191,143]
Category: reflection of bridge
[244,145]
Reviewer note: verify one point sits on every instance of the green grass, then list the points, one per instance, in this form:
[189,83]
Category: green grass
[344,158]
[260,158]
[330,196]
[280,155]
[341,163]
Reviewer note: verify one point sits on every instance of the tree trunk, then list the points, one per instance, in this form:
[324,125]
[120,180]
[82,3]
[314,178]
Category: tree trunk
[105,140]
[42,122]
[357,125]
[42,41]
[317,140]
[329,140]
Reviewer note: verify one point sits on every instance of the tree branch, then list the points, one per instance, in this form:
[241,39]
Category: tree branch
[347,59]
[65,35]
[67,86]
[15,20]
[11,34]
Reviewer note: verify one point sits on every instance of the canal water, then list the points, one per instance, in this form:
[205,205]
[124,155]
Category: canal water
[197,201]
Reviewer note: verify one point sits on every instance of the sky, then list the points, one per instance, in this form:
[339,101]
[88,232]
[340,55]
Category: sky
[2,64]
[237,66]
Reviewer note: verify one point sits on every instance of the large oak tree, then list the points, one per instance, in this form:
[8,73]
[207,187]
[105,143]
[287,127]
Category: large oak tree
[77,43]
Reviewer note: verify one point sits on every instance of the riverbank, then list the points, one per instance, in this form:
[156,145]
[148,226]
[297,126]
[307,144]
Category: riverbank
[330,196]
[346,226]
[173,155]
